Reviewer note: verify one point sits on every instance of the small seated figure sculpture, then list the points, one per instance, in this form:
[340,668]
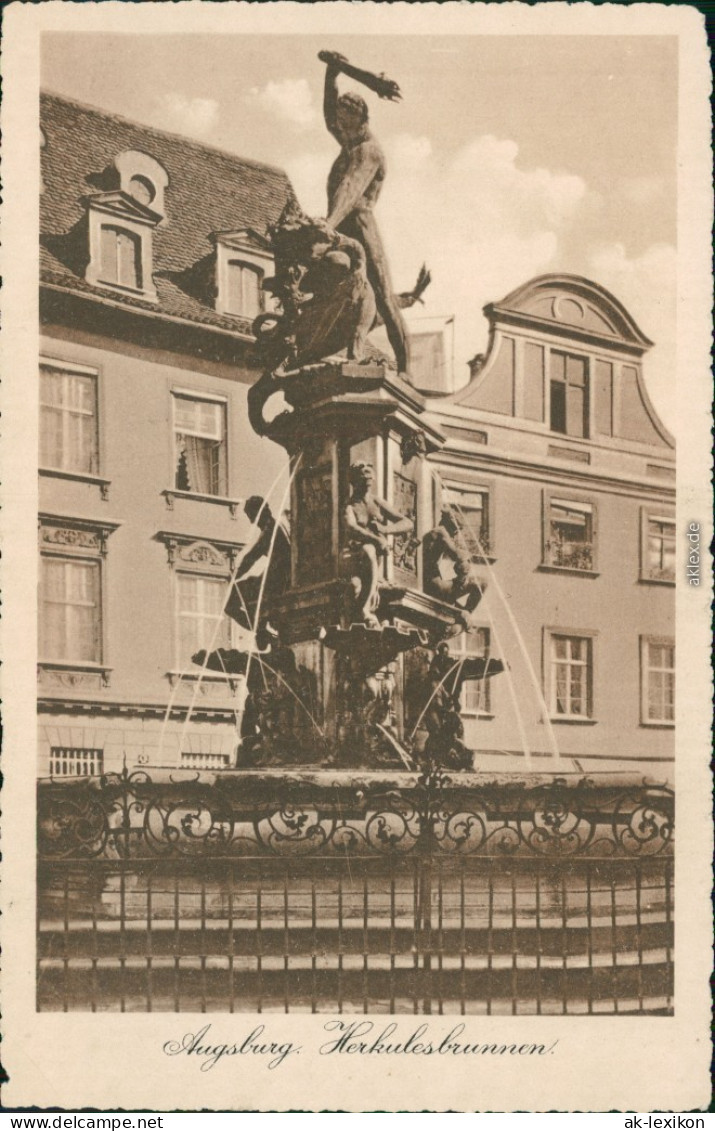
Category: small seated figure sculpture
[464,590]
[273,544]
[442,719]
[368,521]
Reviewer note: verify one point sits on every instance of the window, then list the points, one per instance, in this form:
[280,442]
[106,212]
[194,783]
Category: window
[70,613]
[74,761]
[476,697]
[243,290]
[470,509]
[569,394]
[570,660]
[657,680]
[68,420]
[200,619]
[120,257]
[199,445]
[242,261]
[193,761]
[657,547]
[141,188]
[570,532]
[427,360]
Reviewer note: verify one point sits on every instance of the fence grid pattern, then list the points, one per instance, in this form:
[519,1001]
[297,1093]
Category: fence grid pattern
[428,896]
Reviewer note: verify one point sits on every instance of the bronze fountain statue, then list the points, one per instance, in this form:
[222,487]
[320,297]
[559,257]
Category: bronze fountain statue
[350,636]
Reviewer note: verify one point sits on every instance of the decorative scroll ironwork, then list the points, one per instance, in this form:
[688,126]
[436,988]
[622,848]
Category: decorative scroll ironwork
[130,816]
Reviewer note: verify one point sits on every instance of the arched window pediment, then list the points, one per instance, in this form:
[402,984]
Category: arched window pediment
[143,179]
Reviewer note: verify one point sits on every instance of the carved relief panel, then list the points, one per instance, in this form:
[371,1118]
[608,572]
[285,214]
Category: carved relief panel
[314,525]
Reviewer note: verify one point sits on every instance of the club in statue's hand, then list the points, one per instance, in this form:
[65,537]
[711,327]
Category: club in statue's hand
[380,84]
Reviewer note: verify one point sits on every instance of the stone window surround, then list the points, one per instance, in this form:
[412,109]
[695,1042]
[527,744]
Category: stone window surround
[665,514]
[644,642]
[108,210]
[550,495]
[80,539]
[199,557]
[549,632]
[172,493]
[243,247]
[81,476]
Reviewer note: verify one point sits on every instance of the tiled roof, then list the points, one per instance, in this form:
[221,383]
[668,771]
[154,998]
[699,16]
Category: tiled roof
[208,191]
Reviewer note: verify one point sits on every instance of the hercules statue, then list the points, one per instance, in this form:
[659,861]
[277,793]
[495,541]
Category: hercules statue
[354,185]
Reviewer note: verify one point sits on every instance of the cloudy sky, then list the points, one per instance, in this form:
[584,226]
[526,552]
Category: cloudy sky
[509,156]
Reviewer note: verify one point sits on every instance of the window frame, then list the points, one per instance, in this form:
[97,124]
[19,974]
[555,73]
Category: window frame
[647,514]
[77,540]
[205,398]
[645,641]
[181,665]
[485,684]
[452,485]
[550,634]
[237,260]
[578,501]
[80,370]
[587,411]
[214,559]
[250,250]
[121,211]
[96,661]
[135,239]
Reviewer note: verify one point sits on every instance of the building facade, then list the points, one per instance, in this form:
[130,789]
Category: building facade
[153,253]
[152,257]
[565,479]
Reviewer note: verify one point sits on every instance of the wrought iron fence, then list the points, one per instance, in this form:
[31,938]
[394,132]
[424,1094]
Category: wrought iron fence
[324,892]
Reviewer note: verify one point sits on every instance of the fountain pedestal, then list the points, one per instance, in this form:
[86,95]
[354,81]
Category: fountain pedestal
[365,669]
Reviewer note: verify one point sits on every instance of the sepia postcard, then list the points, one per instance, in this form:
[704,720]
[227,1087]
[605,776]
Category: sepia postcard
[356,557]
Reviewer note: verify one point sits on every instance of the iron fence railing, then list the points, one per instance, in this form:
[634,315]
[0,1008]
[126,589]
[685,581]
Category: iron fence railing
[328,892]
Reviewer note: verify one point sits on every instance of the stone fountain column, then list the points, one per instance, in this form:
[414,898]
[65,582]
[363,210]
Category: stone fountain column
[345,413]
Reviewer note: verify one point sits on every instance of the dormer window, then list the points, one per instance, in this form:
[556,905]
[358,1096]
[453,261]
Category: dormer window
[121,222]
[243,260]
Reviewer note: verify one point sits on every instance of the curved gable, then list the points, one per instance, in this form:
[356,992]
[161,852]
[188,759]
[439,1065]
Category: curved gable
[565,355]
[573,301]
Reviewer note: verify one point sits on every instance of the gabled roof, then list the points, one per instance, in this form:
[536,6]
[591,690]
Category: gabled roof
[208,191]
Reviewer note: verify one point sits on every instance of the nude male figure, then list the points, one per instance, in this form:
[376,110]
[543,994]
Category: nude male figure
[354,185]
[368,520]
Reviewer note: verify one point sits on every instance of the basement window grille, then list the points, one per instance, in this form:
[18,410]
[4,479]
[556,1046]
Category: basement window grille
[75,761]
[192,761]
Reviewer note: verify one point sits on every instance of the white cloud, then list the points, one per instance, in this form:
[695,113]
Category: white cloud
[646,285]
[483,225]
[290,100]
[193,116]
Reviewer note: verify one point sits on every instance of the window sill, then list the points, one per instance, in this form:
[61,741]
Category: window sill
[645,580]
[658,724]
[545,567]
[123,289]
[222,500]
[573,720]
[68,673]
[78,477]
[198,675]
[478,715]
